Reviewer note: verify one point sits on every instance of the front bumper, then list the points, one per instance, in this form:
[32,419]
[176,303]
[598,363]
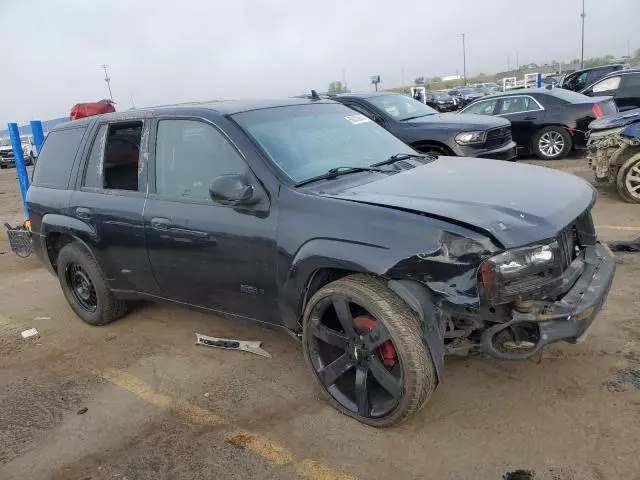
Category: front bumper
[7,161]
[568,318]
[505,152]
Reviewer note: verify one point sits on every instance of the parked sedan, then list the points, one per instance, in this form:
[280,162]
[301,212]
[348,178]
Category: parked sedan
[466,95]
[427,131]
[623,86]
[441,101]
[546,122]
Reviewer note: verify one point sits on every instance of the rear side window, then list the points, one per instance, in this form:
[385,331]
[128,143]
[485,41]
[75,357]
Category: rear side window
[606,85]
[56,159]
[631,81]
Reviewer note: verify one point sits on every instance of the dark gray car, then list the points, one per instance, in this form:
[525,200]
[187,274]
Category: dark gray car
[427,131]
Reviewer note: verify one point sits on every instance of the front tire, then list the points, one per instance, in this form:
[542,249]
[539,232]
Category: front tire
[85,286]
[364,347]
[628,180]
[552,143]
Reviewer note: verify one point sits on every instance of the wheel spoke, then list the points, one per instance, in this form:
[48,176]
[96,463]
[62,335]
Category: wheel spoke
[385,378]
[362,394]
[343,312]
[330,374]
[633,178]
[328,335]
[377,337]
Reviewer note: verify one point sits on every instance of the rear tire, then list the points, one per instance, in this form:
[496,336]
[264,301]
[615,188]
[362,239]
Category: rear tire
[628,180]
[412,377]
[552,143]
[85,286]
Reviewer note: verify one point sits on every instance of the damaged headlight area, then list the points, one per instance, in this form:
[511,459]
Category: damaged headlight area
[519,273]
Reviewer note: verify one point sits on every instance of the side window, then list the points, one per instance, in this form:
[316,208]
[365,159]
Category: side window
[631,82]
[56,159]
[513,105]
[482,108]
[93,172]
[114,157]
[606,85]
[189,155]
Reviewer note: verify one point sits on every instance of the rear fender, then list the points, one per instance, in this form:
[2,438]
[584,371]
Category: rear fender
[62,224]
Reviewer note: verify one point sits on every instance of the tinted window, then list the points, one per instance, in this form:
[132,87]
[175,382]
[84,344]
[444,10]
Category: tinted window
[360,109]
[189,155]
[517,105]
[606,85]
[56,159]
[93,172]
[482,108]
[305,141]
[631,81]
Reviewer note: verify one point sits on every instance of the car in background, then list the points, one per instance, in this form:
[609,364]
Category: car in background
[427,131]
[614,153]
[580,79]
[623,86]
[441,101]
[548,122]
[465,95]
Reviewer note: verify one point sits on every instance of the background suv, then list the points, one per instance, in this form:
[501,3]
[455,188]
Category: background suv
[427,131]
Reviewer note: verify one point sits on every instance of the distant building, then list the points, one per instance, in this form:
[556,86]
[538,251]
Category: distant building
[451,77]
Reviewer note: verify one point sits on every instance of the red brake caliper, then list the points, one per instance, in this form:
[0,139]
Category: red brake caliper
[387,352]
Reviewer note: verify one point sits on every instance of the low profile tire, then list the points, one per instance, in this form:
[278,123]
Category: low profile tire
[364,347]
[434,150]
[552,143]
[628,180]
[85,286]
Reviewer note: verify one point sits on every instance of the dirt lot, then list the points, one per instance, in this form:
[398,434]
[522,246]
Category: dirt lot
[159,407]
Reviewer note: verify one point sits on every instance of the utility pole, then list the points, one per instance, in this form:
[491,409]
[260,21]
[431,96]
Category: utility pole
[344,80]
[582,54]
[464,61]
[628,49]
[508,63]
[104,66]
[517,60]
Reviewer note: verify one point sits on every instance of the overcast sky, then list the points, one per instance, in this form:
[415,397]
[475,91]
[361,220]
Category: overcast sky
[167,51]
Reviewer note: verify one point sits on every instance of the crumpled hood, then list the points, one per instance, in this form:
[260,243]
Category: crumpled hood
[616,120]
[461,122]
[517,204]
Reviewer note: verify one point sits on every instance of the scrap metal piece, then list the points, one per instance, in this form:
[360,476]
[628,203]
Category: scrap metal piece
[230,344]
[625,246]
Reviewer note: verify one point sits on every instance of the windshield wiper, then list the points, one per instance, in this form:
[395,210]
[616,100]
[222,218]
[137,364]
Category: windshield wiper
[417,116]
[403,156]
[337,171]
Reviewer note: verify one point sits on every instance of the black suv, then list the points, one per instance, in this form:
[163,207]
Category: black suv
[578,80]
[309,216]
[622,86]
[424,129]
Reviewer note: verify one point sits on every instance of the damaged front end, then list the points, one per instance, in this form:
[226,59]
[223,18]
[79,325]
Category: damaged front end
[613,152]
[517,301]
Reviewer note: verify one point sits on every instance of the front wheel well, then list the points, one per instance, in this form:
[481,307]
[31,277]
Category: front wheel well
[431,145]
[319,279]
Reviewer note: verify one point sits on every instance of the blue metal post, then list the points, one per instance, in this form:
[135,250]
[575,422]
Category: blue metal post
[38,135]
[18,155]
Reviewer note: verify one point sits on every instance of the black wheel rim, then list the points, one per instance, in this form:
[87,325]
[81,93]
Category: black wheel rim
[348,359]
[81,286]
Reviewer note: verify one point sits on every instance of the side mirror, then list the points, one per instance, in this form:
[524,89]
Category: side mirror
[232,190]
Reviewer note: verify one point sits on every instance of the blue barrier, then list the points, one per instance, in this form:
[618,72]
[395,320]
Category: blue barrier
[18,155]
[38,135]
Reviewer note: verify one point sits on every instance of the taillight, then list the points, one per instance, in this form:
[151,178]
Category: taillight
[597,111]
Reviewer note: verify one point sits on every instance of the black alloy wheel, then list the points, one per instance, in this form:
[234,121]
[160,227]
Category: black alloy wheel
[365,349]
[354,358]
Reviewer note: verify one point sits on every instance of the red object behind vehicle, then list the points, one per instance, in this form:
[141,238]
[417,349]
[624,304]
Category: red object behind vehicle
[81,110]
[597,111]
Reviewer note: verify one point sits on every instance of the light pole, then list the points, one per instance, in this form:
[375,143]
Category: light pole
[107,79]
[582,55]
[464,62]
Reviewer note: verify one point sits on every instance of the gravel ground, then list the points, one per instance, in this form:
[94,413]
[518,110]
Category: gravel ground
[159,407]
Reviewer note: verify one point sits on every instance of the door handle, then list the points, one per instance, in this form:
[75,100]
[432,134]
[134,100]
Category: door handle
[190,233]
[159,223]
[83,213]
[530,118]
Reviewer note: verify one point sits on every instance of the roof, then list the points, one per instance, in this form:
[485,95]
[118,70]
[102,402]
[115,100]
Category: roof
[521,91]
[222,108]
[364,94]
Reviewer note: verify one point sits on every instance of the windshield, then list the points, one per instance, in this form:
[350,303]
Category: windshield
[5,142]
[400,107]
[467,91]
[440,94]
[305,141]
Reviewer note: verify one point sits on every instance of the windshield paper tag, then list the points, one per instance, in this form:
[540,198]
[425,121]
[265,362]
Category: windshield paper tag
[357,119]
